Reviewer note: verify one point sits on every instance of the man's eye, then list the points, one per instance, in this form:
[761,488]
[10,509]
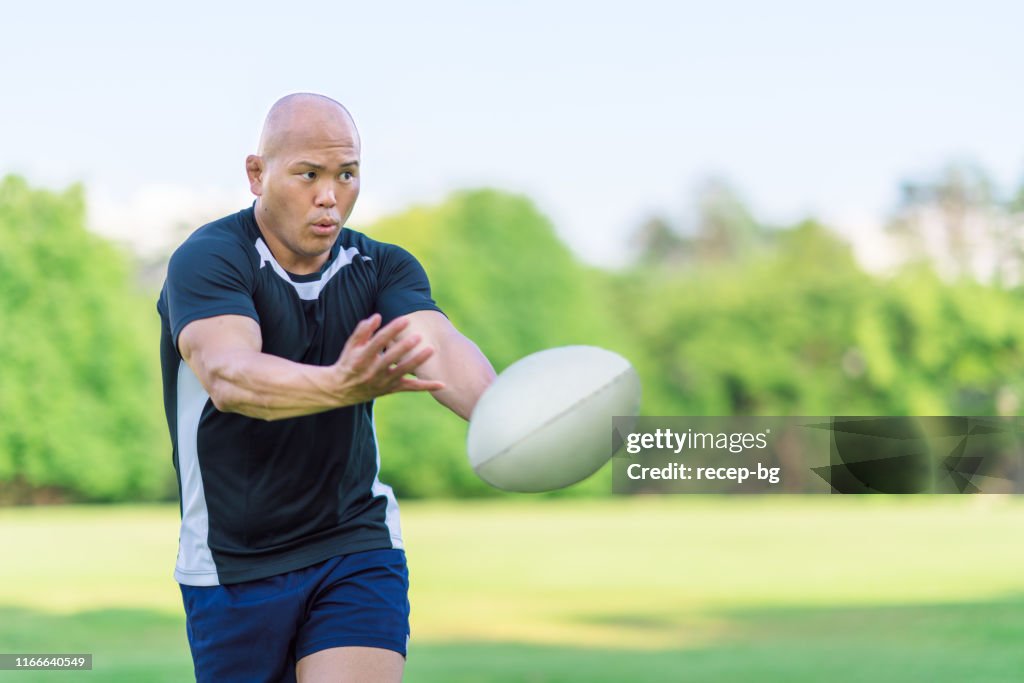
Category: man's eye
[309,175]
[346,175]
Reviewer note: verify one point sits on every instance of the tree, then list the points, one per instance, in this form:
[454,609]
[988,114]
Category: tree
[723,230]
[956,221]
[79,375]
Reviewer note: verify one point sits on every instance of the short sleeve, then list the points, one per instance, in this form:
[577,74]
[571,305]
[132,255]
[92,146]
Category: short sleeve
[207,278]
[403,286]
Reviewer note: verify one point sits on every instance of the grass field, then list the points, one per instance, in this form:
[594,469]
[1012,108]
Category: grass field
[662,589]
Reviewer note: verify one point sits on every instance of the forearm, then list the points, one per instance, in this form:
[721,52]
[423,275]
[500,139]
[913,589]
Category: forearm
[269,387]
[465,371]
[225,354]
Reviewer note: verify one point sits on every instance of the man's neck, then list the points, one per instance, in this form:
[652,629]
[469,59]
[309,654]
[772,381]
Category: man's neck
[292,263]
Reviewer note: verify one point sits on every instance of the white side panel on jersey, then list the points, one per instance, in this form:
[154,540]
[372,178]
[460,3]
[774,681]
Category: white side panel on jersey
[307,291]
[195,565]
[381,489]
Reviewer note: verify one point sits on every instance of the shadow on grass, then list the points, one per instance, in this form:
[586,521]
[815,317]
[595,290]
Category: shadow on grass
[978,642]
[128,646]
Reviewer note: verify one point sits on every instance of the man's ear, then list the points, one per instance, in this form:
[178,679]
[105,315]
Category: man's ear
[255,168]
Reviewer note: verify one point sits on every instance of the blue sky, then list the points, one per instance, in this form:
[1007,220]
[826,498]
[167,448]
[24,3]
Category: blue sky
[602,112]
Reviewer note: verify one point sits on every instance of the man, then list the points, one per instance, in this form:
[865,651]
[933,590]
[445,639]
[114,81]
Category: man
[280,328]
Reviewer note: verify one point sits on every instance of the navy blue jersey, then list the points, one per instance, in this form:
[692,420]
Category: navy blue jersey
[260,498]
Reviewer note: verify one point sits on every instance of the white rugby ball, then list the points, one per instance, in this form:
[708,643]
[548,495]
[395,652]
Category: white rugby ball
[546,421]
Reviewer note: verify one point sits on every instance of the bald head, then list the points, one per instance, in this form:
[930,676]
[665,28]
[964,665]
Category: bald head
[305,178]
[295,119]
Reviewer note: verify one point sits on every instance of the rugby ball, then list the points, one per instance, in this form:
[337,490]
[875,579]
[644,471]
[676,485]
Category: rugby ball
[546,421]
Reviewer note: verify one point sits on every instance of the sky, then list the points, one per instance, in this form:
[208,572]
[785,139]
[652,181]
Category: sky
[603,113]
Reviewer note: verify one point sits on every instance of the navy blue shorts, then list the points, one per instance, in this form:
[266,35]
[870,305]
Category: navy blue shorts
[257,630]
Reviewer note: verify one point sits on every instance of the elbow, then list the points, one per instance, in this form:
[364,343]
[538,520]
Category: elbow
[223,397]
[214,374]
[224,392]
[226,398]
[223,376]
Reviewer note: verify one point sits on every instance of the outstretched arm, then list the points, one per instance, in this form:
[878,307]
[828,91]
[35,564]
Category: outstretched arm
[225,354]
[457,362]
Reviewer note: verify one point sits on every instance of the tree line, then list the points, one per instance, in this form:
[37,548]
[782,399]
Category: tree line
[728,317]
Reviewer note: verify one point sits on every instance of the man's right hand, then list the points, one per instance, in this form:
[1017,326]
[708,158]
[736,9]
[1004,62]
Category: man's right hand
[225,353]
[373,364]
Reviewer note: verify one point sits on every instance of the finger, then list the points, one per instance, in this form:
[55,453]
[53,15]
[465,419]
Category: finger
[407,365]
[362,333]
[386,335]
[396,352]
[412,384]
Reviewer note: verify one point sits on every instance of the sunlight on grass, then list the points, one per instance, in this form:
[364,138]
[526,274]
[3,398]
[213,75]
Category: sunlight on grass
[68,559]
[666,572]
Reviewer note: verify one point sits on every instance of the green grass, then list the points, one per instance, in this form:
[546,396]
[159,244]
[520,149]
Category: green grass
[653,589]
[128,646]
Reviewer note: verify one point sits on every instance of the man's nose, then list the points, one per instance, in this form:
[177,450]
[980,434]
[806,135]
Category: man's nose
[325,197]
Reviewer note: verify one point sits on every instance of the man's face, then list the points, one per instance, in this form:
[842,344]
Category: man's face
[307,182]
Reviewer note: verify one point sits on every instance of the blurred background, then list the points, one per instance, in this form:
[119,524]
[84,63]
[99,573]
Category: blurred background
[785,210]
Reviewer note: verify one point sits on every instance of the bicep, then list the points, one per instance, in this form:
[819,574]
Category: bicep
[457,362]
[209,291]
[453,352]
[433,328]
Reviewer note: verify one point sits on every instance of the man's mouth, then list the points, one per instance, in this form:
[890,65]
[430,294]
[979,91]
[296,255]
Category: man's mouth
[324,227]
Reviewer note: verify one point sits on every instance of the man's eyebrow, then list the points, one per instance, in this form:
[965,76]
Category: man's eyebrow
[318,167]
